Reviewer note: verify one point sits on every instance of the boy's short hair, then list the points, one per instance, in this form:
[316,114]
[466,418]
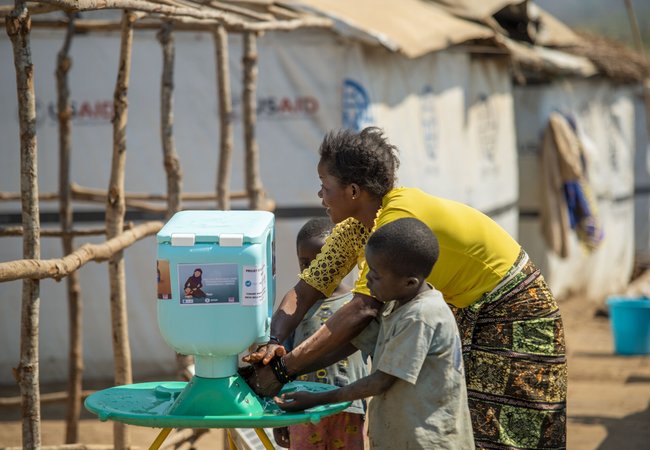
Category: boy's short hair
[411,245]
[320,227]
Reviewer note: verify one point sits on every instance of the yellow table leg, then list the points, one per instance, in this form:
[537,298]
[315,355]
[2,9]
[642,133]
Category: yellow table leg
[160,438]
[264,438]
[231,441]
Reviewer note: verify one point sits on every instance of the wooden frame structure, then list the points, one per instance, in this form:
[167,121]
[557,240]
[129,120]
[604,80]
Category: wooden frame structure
[219,17]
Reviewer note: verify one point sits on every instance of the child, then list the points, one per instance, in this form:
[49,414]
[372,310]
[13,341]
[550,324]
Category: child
[346,429]
[417,381]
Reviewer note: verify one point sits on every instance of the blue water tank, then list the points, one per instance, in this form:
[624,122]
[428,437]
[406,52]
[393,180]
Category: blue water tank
[216,284]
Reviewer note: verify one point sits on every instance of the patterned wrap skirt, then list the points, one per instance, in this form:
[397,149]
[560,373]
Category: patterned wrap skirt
[515,363]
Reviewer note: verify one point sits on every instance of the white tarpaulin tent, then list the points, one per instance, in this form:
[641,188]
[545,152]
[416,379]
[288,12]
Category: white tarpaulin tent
[605,117]
[450,112]
[641,181]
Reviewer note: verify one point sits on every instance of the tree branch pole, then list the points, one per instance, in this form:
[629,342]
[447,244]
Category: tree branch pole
[253,181]
[171,161]
[638,43]
[225,118]
[18,231]
[115,209]
[62,267]
[75,351]
[18,28]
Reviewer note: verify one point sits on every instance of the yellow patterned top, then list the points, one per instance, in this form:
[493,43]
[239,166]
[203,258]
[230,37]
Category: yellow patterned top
[343,249]
[475,252]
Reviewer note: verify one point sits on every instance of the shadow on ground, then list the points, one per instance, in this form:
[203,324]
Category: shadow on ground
[619,430]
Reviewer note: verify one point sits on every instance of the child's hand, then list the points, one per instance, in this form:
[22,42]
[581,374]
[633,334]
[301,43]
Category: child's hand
[297,401]
[261,379]
[281,436]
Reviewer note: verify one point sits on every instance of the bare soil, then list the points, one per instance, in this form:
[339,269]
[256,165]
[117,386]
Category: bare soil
[609,396]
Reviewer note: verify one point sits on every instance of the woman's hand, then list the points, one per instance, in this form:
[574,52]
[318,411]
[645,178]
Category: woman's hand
[265,353]
[298,401]
[281,436]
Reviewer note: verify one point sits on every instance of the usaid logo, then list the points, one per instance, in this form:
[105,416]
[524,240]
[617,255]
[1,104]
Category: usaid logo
[281,107]
[84,112]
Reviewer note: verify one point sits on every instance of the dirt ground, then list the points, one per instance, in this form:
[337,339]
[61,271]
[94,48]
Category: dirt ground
[609,396]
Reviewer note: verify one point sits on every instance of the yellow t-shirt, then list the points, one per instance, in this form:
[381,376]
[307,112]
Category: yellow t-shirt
[475,252]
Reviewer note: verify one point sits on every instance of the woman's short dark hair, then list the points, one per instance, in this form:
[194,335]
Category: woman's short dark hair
[365,158]
[410,244]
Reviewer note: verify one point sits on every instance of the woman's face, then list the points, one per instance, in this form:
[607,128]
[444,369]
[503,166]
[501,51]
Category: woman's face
[197,273]
[337,197]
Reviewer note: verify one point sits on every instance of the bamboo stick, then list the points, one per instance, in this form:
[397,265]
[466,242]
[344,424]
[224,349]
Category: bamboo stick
[61,267]
[170,157]
[92,194]
[115,209]
[13,196]
[27,373]
[18,231]
[146,6]
[225,119]
[171,162]
[188,24]
[253,182]
[75,352]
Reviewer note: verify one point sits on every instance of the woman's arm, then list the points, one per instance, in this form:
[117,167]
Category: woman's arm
[374,384]
[292,309]
[337,332]
[315,352]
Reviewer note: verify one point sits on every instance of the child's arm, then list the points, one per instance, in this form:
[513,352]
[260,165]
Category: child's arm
[374,384]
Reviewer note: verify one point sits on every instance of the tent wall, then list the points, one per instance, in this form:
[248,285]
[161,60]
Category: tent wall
[641,180]
[449,113]
[605,119]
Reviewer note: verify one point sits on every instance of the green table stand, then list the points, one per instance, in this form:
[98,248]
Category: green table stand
[203,403]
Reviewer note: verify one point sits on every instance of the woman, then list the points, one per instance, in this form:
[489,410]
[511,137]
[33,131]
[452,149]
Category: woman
[194,284]
[513,340]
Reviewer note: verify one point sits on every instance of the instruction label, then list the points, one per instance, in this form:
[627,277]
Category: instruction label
[253,285]
[208,284]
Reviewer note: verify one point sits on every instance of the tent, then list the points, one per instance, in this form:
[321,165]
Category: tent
[596,86]
[443,94]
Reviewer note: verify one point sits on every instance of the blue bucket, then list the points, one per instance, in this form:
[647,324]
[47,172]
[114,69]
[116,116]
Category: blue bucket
[630,320]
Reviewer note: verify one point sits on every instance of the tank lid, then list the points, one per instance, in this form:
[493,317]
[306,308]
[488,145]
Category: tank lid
[207,226]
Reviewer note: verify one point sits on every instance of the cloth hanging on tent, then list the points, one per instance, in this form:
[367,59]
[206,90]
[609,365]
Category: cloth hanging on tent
[567,201]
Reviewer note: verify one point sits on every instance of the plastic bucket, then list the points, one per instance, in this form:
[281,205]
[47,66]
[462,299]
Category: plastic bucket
[630,320]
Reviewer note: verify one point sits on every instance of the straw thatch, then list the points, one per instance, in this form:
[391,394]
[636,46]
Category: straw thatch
[612,58]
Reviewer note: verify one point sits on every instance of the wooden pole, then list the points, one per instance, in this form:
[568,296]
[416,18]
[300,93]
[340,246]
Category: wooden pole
[253,181]
[18,28]
[62,267]
[75,353]
[638,43]
[225,118]
[171,161]
[115,209]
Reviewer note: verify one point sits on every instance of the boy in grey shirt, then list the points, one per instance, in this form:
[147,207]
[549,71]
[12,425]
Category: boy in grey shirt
[417,381]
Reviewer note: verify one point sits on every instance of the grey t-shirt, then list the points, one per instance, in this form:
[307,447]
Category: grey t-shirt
[343,372]
[426,408]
